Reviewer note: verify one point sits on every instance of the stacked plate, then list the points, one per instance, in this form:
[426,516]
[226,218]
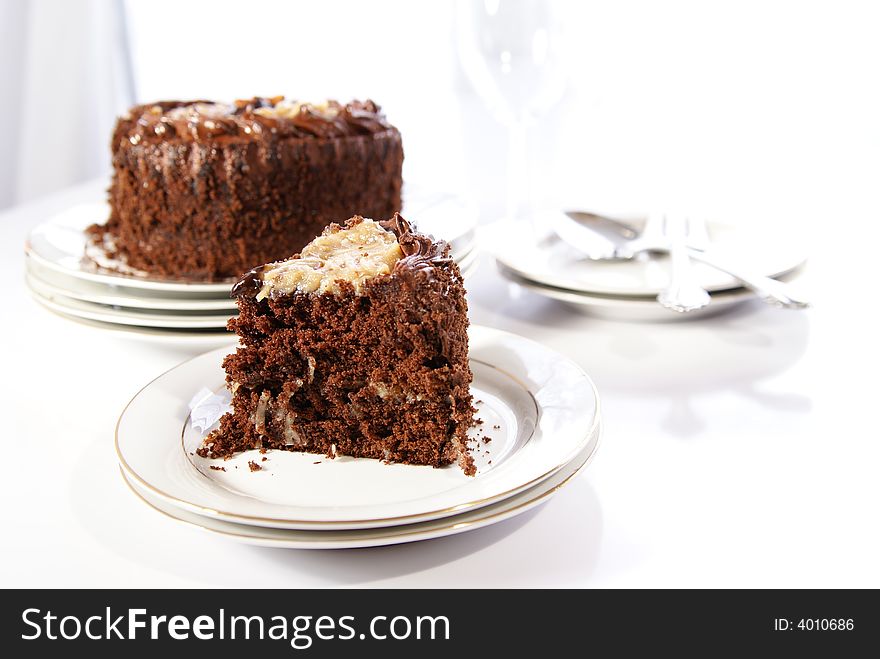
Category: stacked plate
[540,427]
[63,278]
[536,259]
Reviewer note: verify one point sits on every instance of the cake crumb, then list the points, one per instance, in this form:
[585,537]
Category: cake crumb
[317,462]
[216,468]
[487,439]
[496,427]
[264,459]
[254,466]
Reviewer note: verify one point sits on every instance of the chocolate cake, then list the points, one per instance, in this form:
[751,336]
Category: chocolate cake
[356,346]
[204,191]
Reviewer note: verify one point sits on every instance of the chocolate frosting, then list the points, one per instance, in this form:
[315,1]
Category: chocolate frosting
[206,120]
[421,254]
[250,283]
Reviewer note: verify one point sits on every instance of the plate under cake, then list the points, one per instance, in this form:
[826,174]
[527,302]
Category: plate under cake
[356,346]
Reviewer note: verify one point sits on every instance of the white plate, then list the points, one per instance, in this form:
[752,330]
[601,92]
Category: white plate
[630,308]
[147,320]
[52,283]
[126,316]
[545,259]
[60,243]
[544,406]
[442,215]
[195,340]
[380,536]
[468,263]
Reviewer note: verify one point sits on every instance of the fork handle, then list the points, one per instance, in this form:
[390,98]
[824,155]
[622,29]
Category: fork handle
[683,293]
[768,289]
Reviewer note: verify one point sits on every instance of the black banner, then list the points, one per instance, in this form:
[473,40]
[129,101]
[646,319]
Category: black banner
[315,623]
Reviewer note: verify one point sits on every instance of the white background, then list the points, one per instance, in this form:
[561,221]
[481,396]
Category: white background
[741,110]
[740,451]
[749,111]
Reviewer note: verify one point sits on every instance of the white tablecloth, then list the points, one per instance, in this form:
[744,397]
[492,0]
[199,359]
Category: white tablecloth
[740,450]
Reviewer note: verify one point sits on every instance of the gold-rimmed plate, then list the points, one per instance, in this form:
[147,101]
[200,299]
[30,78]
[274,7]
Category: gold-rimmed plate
[374,537]
[539,409]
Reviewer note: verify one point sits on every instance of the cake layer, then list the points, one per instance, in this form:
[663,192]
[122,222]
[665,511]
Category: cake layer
[204,191]
[380,371]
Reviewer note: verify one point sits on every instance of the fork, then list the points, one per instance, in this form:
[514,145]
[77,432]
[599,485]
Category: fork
[683,293]
[772,291]
[652,239]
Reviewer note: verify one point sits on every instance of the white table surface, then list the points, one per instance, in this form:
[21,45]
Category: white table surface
[740,450]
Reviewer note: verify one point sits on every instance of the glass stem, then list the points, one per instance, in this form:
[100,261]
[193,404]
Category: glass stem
[517,170]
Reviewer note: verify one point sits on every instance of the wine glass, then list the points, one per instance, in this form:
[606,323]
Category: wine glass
[510,51]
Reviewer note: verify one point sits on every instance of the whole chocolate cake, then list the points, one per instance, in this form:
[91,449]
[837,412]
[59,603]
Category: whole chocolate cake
[203,190]
[356,346]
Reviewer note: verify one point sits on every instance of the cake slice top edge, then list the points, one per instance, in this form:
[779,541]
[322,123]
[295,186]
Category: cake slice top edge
[348,255]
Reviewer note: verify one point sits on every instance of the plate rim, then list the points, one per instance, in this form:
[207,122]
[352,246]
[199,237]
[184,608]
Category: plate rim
[258,520]
[727,296]
[113,317]
[395,533]
[632,309]
[570,284]
[109,298]
[467,241]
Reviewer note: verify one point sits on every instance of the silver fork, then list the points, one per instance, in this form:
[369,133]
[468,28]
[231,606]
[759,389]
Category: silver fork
[683,293]
[652,239]
[771,291]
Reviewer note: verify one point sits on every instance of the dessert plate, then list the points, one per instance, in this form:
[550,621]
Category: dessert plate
[539,409]
[147,319]
[630,308]
[542,257]
[442,215]
[61,245]
[51,283]
[126,315]
[467,264]
[194,340]
[373,537]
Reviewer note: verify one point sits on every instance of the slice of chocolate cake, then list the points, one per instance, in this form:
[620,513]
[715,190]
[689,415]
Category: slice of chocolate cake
[356,346]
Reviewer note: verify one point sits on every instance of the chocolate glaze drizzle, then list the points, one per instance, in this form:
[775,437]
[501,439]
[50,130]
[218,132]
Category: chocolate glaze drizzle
[205,120]
[421,254]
